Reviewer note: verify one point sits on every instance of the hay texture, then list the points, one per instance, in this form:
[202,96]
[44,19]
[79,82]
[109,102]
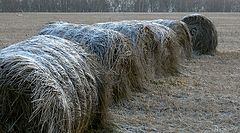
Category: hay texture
[182,34]
[49,85]
[154,46]
[204,34]
[112,49]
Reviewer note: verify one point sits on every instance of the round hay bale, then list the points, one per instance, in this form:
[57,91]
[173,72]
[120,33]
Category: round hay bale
[154,45]
[182,34]
[113,52]
[49,85]
[204,34]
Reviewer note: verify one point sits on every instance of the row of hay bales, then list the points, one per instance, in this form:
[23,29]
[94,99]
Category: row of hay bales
[64,79]
[153,46]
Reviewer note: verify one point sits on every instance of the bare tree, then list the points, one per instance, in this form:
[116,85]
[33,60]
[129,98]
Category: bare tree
[120,5]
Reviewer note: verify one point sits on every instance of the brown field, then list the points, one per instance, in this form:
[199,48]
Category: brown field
[206,98]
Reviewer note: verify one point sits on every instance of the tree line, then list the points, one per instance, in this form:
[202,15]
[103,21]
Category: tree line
[119,5]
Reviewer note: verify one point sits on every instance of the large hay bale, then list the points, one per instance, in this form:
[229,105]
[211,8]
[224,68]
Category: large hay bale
[182,33]
[204,34]
[49,85]
[154,44]
[112,49]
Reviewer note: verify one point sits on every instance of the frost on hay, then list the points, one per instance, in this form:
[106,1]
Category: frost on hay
[204,34]
[182,34]
[112,49]
[154,44]
[49,85]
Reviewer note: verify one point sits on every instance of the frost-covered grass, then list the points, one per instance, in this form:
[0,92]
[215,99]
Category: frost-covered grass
[206,99]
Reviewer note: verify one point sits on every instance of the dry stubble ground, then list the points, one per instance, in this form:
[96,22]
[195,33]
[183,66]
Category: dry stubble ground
[206,98]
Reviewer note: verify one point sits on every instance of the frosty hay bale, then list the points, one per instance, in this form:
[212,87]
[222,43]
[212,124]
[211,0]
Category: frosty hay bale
[48,85]
[154,45]
[112,49]
[204,34]
[182,34]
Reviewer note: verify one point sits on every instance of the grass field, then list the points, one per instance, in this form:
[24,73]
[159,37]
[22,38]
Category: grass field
[206,98]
